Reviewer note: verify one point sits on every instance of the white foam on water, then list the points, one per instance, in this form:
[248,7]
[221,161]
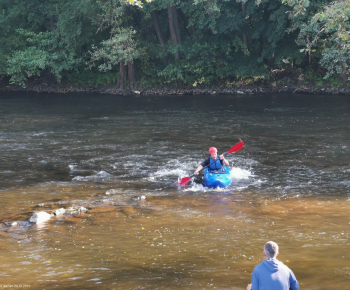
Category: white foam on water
[174,170]
[196,187]
[72,167]
[6,171]
[176,173]
[167,172]
[101,175]
[238,173]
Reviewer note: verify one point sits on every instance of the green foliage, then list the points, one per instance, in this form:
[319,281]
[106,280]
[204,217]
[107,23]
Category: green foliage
[40,54]
[136,2]
[222,41]
[245,81]
[334,82]
[26,64]
[91,78]
[325,31]
[316,78]
[121,44]
[332,58]
[119,47]
[147,67]
[198,66]
[43,37]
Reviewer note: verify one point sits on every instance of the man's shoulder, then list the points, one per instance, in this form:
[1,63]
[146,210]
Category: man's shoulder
[282,265]
[259,267]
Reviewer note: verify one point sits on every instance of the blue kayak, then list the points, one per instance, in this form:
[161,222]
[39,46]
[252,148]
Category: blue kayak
[217,178]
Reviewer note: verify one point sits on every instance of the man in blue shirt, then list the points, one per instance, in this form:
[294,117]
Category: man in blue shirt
[272,274]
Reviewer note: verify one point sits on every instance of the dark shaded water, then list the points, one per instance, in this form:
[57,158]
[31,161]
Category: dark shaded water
[119,156]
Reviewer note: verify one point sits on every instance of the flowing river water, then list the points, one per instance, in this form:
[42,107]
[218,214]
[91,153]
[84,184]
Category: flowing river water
[119,158]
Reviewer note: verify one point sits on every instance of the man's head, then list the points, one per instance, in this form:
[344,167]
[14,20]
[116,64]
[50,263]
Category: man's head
[271,250]
[213,152]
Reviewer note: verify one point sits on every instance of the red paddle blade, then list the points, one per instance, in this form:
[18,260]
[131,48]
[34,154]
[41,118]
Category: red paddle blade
[183,181]
[235,148]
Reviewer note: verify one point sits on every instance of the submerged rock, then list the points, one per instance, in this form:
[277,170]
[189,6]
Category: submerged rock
[111,191]
[76,210]
[10,224]
[137,198]
[41,217]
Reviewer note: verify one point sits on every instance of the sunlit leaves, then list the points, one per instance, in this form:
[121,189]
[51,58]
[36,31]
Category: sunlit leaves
[334,19]
[136,2]
[326,30]
[121,46]
[299,6]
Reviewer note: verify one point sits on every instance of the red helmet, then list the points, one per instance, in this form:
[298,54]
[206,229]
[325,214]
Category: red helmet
[212,150]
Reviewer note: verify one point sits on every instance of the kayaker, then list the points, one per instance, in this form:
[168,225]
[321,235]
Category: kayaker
[218,161]
[272,274]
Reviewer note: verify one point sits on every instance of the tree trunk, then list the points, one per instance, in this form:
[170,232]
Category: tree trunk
[342,76]
[131,74]
[244,35]
[190,29]
[172,26]
[122,75]
[52,23]
[157,28]
[176,25]
[245,42]
[159,33]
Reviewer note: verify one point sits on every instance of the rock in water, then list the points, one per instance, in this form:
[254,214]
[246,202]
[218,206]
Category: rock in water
[39,217]
[111,191]
[59,211]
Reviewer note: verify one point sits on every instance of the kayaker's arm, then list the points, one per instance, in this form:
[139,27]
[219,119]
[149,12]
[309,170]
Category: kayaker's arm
[199,168]
[224,161]
[204,164]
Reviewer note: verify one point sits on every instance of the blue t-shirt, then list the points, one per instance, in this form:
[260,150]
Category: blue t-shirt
[273,275]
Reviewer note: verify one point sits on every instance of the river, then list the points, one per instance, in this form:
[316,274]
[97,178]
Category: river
[119,158]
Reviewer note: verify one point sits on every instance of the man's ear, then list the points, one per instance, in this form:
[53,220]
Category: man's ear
[264,254]
[277,254]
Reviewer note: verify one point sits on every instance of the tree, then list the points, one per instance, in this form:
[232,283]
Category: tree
[159,33]
[174,28]
[121,48]
[211,41]
[324,28]
[50,36]
[239,39]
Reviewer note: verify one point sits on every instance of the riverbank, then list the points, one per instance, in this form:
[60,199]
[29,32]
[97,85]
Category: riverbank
[171,90]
